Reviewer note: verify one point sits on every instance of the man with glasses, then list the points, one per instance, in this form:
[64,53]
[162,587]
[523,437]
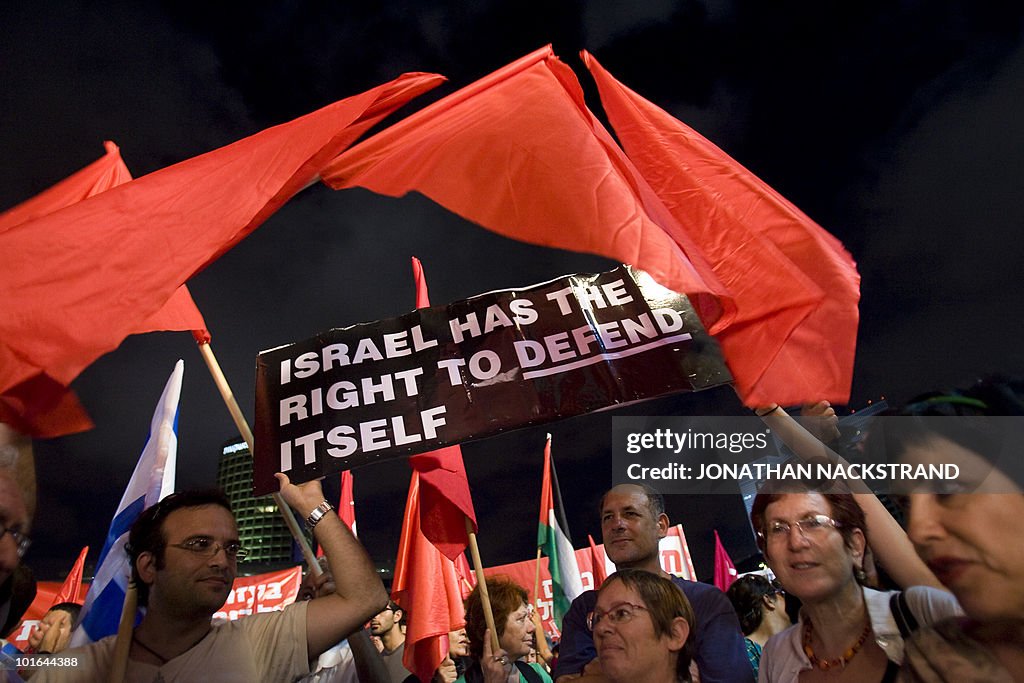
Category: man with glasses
[633,521]
[184,553]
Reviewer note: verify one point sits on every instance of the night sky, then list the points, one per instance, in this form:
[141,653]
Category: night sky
[896,126]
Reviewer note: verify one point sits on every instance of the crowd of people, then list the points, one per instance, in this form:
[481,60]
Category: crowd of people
[949,607]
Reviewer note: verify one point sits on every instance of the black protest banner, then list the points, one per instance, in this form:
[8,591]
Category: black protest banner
[498,361]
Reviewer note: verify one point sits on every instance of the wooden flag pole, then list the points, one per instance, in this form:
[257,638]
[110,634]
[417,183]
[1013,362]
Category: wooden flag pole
[243,428]
[123,644]
[481,582]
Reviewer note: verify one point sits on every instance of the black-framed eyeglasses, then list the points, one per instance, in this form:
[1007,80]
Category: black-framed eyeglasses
[618,614]
[207,547]
[809,527]
[21,539]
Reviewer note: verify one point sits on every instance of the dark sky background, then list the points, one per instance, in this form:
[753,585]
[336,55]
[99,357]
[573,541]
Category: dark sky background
[897,126]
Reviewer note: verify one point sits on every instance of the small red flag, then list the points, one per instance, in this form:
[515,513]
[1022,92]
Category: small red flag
[795,287]
[426,585]
[725,570]
[71,590]
[123,253]
[446,498]
[347,503]
[346,506]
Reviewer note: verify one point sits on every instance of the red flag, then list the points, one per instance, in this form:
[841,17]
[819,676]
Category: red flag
[83,278]
[796,288]
[72,587]
[725,570]
[597,559]
[446,498]
[38,405]
[519,153]
[426,586]
[346,506]
[346,503]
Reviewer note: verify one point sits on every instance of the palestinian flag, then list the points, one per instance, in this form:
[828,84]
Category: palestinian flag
[553,541]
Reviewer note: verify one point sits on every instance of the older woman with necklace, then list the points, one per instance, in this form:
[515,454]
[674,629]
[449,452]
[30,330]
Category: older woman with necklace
[815,543]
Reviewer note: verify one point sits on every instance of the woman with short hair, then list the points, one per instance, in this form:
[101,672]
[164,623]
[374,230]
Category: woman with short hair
[641,624]
[511,610]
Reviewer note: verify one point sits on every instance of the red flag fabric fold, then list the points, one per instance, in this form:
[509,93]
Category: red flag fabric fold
[795,287]
[39,406]
[426,586]
[467,579]
[519,153]
[123,253]
[725,570]
[72,587]
[447,501]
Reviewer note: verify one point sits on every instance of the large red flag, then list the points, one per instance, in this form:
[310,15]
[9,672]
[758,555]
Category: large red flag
[426,586]
[725,570]
[427,583]
[79,280]
[447,502]
[38,405]
[796,288]
[519,153]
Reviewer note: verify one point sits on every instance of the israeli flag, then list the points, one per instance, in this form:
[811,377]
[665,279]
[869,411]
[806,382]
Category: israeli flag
[152,480]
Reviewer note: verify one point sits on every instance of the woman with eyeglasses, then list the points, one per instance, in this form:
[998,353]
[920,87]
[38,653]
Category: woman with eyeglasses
[972,533]
[761,606]
[814,543]
[513,622]
[641,625]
